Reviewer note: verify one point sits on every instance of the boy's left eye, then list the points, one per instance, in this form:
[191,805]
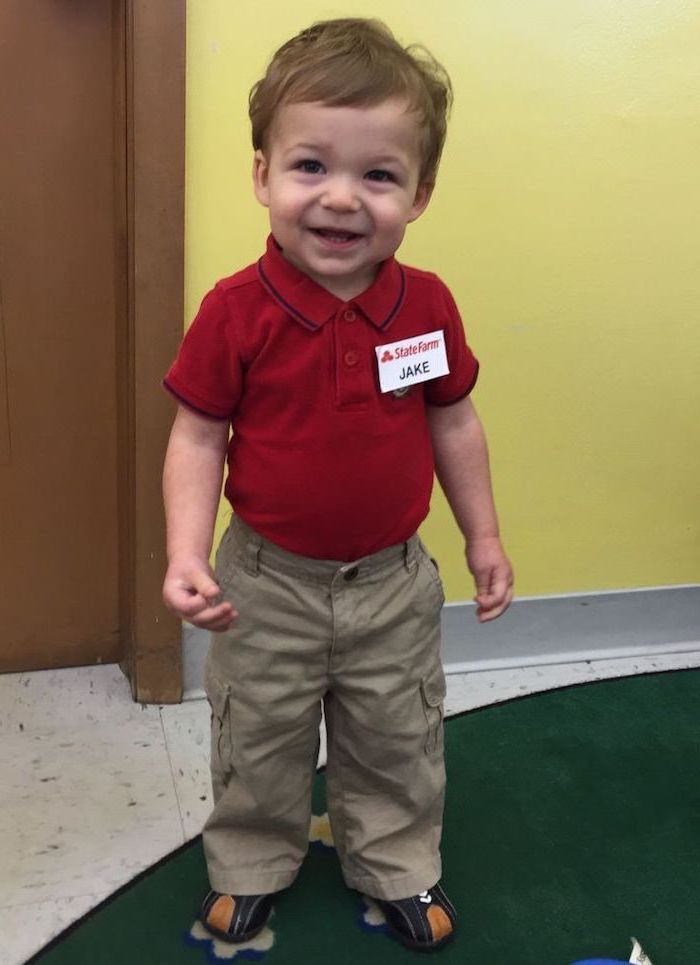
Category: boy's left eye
[380,175]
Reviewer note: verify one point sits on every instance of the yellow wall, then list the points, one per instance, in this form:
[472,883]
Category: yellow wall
[566,222]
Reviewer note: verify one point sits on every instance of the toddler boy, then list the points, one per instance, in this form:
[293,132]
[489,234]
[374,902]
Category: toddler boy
[345,377]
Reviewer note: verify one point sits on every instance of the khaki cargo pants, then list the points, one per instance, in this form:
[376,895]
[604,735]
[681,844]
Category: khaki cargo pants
[363,640]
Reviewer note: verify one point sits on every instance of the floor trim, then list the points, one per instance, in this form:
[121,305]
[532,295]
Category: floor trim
[578,626]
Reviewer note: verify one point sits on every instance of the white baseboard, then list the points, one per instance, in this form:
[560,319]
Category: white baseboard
[543,630]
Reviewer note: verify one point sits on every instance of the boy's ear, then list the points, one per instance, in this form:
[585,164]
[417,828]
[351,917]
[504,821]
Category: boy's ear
[260,178]
[424,193]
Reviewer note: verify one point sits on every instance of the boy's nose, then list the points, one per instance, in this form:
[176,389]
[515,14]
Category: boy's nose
[340,196]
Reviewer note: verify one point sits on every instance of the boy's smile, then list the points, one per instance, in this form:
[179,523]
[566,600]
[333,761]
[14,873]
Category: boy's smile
[341,184]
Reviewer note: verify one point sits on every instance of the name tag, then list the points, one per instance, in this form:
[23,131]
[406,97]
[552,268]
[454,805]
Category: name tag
[411,360]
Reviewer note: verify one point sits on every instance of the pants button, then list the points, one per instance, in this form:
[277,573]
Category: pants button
[351,574]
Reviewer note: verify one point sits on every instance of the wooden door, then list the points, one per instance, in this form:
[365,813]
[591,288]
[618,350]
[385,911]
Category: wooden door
[63,289]
[92,122]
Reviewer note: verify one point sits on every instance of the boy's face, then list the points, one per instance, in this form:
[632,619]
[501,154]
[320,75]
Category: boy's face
[341,184]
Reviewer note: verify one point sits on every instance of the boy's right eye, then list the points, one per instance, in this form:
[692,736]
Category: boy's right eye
[307,166]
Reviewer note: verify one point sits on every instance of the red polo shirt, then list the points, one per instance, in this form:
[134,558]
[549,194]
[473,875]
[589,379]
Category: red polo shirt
[321,462]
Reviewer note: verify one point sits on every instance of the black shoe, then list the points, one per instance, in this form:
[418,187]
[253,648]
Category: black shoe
[424,922]
[235,918]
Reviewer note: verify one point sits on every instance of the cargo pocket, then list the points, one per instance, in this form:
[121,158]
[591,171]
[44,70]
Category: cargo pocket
[433,690]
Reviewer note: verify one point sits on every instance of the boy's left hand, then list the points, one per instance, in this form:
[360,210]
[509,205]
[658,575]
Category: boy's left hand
[493,576]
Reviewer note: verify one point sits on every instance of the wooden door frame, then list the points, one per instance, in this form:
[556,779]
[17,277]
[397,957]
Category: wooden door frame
[150,106]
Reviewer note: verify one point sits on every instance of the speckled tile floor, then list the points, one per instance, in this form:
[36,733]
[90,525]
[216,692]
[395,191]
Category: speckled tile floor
[96,788]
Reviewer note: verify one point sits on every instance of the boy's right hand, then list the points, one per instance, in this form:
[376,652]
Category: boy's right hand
[191,592]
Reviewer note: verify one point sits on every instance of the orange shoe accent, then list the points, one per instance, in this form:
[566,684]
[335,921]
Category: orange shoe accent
[440,924]
[221,914]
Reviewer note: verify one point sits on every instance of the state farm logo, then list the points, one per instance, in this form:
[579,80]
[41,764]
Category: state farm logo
[417,347]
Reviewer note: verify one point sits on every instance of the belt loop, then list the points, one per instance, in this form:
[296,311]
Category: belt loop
[410,558]
[252,554]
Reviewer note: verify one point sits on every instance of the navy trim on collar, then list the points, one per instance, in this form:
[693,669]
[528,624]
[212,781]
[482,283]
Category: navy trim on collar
[279,297]
[399,299]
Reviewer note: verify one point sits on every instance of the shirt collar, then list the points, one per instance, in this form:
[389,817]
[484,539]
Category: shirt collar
[311,305]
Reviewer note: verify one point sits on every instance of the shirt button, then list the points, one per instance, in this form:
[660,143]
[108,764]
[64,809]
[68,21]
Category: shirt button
[351,574]
[351,358]
[349,316]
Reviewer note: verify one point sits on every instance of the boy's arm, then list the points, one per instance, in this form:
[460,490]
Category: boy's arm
[462,467]
[191,489]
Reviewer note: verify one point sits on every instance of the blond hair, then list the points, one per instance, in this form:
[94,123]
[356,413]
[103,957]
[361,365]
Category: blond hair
[359,63]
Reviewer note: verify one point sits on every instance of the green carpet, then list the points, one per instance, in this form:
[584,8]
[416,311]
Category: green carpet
[572,822]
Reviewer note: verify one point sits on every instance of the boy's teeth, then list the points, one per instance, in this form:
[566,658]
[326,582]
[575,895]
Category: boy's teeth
[336,235]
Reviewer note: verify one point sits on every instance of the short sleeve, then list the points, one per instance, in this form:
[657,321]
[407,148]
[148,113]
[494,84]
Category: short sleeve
[207,374]
[463,366]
